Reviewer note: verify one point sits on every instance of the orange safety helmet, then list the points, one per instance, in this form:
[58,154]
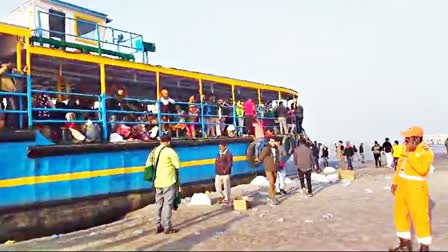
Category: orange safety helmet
[191,99]
[414,131]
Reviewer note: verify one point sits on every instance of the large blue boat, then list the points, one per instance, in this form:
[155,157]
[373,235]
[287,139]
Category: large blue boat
[51,185]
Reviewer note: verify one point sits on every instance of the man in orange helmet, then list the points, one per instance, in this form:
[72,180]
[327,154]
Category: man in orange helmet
[410,189]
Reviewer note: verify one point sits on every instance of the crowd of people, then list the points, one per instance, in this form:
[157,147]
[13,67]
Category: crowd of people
[77,118]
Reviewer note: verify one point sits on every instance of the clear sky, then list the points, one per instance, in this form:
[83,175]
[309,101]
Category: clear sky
[364,69]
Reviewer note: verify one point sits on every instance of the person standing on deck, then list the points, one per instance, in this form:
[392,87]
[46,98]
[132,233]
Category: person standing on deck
[166,183]
[11,85]
[299,118]
[223,169]
[411,193]
[281,173]
[282,114]
[303,160]
[361,153]
[270,158]
[239,110]
[249,116]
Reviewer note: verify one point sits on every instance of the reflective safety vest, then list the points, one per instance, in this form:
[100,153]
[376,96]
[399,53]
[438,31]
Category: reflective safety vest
[414,165]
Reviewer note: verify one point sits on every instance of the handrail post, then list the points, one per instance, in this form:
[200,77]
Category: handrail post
[159,116]
[103,109]
[98,38]
[39,23]
[201,93]
[29,97]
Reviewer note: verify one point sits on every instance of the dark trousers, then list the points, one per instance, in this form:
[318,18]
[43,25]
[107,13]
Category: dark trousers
[377,160]
[249,124]
[395,163]
[307,175]
[350,163]
[299,128]
[11,119]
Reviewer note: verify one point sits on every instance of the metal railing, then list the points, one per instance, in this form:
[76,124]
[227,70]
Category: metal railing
[104,115]
[103,37]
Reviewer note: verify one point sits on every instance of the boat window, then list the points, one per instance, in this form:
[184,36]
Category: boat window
[268,96]
[219,90]
[138,84]
[66,95]
[179,88]
[86,29]
[56,23]
[244,93]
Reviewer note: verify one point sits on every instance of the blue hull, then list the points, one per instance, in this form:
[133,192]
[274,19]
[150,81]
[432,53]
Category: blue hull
[34,183]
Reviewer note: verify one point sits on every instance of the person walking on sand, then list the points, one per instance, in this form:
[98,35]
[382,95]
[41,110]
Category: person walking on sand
[166,183]
[325,155]
[361,153]
[349,153]
[340,154]
[446,145]
[355,153]
[387,148]
[397,149]
[411,193]
[303,160]
[376,149]
[281,173]
[223,169]
[270,158]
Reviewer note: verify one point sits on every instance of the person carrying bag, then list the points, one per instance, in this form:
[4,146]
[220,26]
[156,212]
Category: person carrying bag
[165,176]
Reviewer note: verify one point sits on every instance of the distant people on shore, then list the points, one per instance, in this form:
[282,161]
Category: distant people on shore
[340,154]
[387,148]
[349,153]
[361,153]
[376,149]
[325,156]
[316,151]
[446,145]
[397,150]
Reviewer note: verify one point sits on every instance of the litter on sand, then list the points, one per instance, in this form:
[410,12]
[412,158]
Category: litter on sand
[329,170]
[368,190]
[200,199]
[260,181]
[308,221]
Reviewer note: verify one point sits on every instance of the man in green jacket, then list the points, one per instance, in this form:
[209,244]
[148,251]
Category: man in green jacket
[165,183]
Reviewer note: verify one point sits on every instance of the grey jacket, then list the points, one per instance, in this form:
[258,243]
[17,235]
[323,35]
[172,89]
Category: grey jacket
[303,158]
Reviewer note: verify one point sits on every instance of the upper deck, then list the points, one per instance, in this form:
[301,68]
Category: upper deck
[69,66]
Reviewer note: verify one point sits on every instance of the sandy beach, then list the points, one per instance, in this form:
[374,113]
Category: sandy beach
[340,216]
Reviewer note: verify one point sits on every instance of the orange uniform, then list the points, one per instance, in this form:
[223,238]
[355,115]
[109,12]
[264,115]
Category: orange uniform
[412,194]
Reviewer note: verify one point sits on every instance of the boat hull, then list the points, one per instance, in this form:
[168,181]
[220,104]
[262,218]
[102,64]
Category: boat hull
[50,189]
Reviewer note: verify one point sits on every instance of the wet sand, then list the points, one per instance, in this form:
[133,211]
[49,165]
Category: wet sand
[357,216]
